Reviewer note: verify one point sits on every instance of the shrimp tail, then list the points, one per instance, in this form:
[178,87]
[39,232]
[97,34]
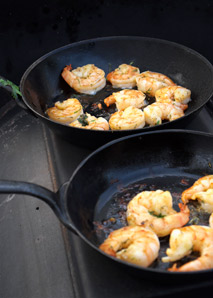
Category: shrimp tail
[173,268]
[185,211]
[109,100]
[184,208]
[68,67]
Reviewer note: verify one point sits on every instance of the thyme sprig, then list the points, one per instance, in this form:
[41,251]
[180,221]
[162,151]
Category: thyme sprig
[15,89]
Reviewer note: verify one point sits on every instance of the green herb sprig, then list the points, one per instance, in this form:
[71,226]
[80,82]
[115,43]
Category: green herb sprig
[15,89]
[156,215]
[83,120]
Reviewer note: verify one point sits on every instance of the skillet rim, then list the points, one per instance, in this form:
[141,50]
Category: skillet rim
[86,41]
[155,271]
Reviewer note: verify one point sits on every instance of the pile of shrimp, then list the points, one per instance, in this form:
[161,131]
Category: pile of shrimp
[133,110]
[150,216]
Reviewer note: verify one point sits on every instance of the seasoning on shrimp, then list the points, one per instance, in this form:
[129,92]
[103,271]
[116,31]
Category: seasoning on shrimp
[88,121]
[149,82]
[154,209]
[157,112]
[173,94]
[87,79]
[65,112]
[187,239]
[130,118]
[124,76]
[201,190]
[125,98]
[136,245]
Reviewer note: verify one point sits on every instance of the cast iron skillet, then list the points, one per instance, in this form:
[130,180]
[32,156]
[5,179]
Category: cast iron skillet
[42,85]
[108,178]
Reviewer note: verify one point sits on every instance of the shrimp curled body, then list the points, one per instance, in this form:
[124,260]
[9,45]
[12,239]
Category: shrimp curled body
[65,112]
[149,82]
[125,98]
[136,245]
[124,76]
[201,190]
[87,79]
[157,112]
[173,94]
[154,209]
[187,239]
[130,118]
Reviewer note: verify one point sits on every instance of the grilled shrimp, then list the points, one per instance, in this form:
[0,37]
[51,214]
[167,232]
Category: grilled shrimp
[201,190]
[125,98]
[187,239]
[173,94]
[130,118]
[124,76]
[88,121]
[136,245]
[153,209]
[66,111]
[149,82]
[87,79]
[205,198]
[157,111]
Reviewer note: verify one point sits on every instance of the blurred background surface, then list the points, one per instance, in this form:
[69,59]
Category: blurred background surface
[30,29]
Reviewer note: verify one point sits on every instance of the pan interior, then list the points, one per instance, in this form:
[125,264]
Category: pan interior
[110,214]
[42,84]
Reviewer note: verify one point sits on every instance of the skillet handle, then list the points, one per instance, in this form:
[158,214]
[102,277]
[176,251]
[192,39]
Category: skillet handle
[54,200]
[14,91]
